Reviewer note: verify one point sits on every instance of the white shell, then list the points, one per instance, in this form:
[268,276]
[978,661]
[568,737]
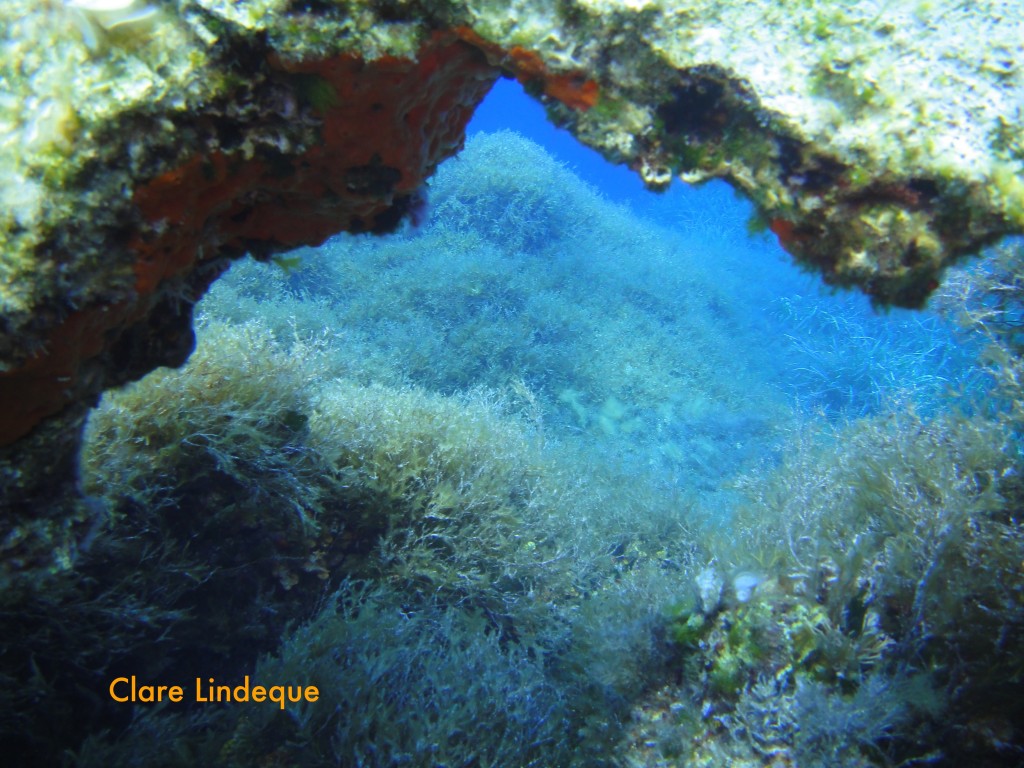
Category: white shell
[110,14]
[744,584]
[104,6]
[709,586]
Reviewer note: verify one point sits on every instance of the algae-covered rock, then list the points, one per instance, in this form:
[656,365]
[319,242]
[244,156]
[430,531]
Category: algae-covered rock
[142,144]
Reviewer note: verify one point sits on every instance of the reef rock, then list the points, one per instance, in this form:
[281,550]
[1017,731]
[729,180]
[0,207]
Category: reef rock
[144,144]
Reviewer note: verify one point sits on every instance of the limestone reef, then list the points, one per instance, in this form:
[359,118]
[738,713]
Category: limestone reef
[145,144]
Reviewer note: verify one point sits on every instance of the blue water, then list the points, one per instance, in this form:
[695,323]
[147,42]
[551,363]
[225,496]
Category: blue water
[507,107]
[653,328]
[838,354]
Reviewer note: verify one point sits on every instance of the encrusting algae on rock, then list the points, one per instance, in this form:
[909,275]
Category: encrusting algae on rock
[875,141]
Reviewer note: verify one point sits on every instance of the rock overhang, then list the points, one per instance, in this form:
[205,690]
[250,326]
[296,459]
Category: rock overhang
[145,144]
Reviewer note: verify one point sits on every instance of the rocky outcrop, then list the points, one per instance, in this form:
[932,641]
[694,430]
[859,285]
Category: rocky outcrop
[145,144]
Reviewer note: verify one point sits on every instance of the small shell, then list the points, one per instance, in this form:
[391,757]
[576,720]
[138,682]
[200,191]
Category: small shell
[709,586]
[111,14]
[96,18]
[744,584]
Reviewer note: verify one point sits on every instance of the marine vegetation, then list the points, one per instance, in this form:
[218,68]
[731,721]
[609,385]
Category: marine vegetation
[523,486]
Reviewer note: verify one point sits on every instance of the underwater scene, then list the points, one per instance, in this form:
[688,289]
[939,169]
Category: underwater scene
[561,473]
